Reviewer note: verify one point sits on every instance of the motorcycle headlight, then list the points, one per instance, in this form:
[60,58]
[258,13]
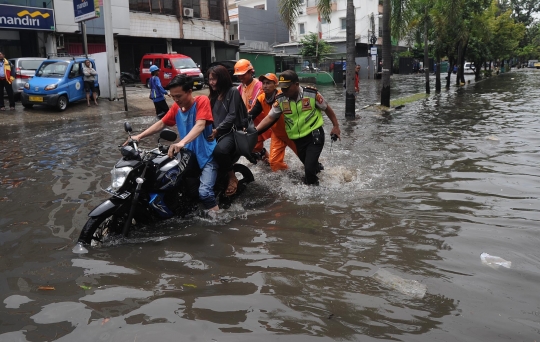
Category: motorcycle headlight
[201,75]
[51,86]
[118,176]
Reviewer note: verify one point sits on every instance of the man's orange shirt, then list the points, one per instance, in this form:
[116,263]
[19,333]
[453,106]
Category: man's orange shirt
[279,126]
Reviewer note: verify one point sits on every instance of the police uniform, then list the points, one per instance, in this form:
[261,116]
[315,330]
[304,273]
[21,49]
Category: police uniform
[304,126]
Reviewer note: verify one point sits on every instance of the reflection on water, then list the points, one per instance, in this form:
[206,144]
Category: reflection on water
[413,200]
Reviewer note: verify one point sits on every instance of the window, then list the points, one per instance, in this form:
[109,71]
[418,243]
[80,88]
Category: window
[301,28]
[157,62]
[167,64]
[214,9]
[146,63]
[74,70]
[343,23]
[152,6]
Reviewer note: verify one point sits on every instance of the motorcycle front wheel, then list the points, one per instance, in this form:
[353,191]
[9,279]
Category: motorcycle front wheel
[98,228]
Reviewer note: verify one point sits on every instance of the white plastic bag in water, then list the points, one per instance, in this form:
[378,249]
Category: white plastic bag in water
[494,261]
[408,287]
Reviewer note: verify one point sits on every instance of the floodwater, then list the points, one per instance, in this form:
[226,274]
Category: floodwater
[387,248]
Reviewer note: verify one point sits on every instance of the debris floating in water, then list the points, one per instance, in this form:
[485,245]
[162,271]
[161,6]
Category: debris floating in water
[411,288]
[494,261]
[492,138]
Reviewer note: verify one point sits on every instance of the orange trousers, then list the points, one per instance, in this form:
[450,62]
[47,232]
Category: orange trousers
[277,152]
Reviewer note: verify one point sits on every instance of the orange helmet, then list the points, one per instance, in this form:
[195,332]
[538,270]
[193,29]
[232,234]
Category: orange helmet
[242,66]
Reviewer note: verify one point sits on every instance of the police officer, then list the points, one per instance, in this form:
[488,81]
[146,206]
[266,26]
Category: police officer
[301,108]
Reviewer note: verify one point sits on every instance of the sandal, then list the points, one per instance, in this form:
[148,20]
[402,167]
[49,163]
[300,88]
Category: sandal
[232,187]
[3,109]
[11,108]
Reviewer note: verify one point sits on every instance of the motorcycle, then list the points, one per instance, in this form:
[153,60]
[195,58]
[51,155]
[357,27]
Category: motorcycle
[130,77]
[147,186]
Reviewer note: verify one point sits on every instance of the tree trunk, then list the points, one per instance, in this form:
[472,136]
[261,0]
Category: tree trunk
[351,64]
[460,66]
[426,52]
[386,53]
[450,68]
[438,74]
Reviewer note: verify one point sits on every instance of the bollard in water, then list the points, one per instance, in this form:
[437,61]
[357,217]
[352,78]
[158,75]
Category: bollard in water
[125,97]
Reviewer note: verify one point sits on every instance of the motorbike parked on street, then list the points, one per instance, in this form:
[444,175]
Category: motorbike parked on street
[130,77]
[148,186]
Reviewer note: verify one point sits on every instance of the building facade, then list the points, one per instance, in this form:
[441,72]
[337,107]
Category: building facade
[368,16]
[197,28]
[256,25]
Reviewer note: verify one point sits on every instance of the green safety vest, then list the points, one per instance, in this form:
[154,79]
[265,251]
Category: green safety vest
[301,117]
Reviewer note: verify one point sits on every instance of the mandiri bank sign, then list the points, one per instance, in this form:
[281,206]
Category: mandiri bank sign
[26,18]
[86,9]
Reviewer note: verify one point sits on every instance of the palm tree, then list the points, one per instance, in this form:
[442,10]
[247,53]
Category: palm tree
[289,9]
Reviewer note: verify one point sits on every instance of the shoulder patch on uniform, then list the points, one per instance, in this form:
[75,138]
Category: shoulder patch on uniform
[319,98]
[310,88]
[276,104]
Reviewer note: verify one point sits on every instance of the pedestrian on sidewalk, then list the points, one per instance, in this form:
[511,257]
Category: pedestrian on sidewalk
[89,79]
[157,93]
[5,82]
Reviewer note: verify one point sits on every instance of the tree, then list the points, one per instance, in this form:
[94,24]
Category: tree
[312,46]
[289,10]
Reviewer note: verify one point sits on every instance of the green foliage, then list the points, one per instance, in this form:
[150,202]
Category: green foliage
[310,48]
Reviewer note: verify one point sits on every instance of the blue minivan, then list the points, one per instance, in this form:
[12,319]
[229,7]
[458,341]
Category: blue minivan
[57,82]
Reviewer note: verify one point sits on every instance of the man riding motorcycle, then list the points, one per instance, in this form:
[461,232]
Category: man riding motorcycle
[193,118]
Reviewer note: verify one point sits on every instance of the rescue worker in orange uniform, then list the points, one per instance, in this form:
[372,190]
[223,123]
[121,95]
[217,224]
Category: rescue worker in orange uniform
[260,109]
[249,90]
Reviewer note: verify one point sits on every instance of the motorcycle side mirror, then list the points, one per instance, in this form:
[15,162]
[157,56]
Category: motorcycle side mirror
[127,127]
[168,135]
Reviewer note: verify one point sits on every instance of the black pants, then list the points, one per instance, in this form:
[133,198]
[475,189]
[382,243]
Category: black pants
[224,152]
[9,88]
[161,108]
[308,153]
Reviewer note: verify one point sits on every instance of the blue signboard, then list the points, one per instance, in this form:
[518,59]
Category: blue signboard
[26,18]
[85,9]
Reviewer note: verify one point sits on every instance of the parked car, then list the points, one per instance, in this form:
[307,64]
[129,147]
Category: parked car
[170,65]
[25,68]
[537,65]
[468,68]
[57,83]
[229,65]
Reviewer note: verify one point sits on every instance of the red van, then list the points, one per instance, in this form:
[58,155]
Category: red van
[170,65]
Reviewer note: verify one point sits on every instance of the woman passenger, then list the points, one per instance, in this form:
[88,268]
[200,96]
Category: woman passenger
[227,112]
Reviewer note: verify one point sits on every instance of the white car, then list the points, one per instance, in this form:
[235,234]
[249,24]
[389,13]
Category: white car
[469,68]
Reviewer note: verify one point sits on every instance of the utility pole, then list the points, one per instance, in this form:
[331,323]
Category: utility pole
[85,40]
[109,46]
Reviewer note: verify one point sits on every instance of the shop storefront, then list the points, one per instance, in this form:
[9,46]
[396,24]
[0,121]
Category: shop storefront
[25,31]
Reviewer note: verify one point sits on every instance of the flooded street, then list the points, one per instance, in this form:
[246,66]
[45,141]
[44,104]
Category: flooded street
[387,248]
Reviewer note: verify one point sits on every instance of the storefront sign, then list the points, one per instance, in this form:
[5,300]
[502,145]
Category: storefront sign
[86,9]
[26,18]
